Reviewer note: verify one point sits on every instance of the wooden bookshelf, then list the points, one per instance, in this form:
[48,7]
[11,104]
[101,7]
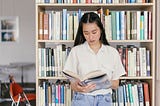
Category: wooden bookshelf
[148,43]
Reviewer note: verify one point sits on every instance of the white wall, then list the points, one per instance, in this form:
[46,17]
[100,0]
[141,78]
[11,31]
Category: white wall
[24,50]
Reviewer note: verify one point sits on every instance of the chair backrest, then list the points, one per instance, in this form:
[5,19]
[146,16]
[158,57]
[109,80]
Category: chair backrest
[15,89]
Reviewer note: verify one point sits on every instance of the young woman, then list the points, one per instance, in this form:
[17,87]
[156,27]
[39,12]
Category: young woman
[91,51]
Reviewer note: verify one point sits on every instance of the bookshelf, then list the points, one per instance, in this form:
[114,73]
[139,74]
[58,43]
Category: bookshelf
[72,8]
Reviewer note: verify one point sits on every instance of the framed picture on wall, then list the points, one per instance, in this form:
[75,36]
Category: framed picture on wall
[9,28]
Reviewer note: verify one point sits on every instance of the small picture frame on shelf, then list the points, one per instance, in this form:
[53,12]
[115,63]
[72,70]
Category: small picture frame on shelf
[9,28]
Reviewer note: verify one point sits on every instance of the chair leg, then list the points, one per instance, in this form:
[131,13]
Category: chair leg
[12,104]
[17,104]
[28,103]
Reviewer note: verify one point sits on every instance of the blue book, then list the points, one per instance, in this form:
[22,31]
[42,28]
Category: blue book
[53,94]
[108,1]
[118,25]
[62,94]
[46,1]
[130,94]
[122,25]
[132,1]
[142,26]
[148,56]
[140,94]
[124,94]
[64,24]
[113,25]
[120,96]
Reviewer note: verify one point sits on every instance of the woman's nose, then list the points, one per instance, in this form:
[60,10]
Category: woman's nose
[91,36]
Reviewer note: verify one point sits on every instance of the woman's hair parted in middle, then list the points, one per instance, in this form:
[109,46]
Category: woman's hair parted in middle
[90,17]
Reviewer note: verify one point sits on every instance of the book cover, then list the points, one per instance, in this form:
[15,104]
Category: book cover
[146,94]
[96,76]
[140,94]
[40,25]
[46,26]
[148,62]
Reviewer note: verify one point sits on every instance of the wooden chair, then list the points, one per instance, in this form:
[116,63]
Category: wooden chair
[18,95]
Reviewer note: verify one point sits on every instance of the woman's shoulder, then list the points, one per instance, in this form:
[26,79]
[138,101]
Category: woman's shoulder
[78,47]
[111,49]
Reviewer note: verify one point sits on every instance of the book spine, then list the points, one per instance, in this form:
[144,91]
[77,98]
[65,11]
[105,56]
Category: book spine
[46,27]
[64,24]
[146,94]
[148,56]
[40,25]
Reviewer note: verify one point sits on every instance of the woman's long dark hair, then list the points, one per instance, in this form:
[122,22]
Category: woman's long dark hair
[90,17]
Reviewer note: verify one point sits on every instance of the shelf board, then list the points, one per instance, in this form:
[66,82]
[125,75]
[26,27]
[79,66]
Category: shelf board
[136,41]
[56,41]
[54,78]
[71,41]
[94,4]
[130,77]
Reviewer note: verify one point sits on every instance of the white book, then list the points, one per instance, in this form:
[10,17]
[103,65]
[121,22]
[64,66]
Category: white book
[50,25]
[128,28]
[134,61]
[115,1]
[136,100]
[139,1]
[64,24]
[149,25]
[53,25]
[39,62]
[56,63]
[122,25]
[145,25]
[58,26]
[143,70]
[70,35]
[44,62]
[138,24]
[75,19]
[108,27]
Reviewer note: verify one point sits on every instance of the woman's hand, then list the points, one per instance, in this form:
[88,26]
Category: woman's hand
[75,86]
[115,84]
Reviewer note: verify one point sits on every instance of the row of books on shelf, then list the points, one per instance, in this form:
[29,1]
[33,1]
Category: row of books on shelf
[93,1]
[119,25]
[52,60]
[136,60]
[54,93]
[131,94]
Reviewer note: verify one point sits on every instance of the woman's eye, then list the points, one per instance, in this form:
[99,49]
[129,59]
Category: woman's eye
[94,32]
[86,33]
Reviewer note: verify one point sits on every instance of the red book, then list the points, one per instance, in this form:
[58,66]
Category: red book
[146,94]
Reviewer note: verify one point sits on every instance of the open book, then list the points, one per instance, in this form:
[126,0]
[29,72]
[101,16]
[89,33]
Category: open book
[96,77]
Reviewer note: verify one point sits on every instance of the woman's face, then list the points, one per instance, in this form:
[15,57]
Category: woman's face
[91,33]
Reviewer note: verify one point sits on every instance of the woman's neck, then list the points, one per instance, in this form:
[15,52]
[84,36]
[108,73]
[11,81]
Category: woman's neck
[96,47]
